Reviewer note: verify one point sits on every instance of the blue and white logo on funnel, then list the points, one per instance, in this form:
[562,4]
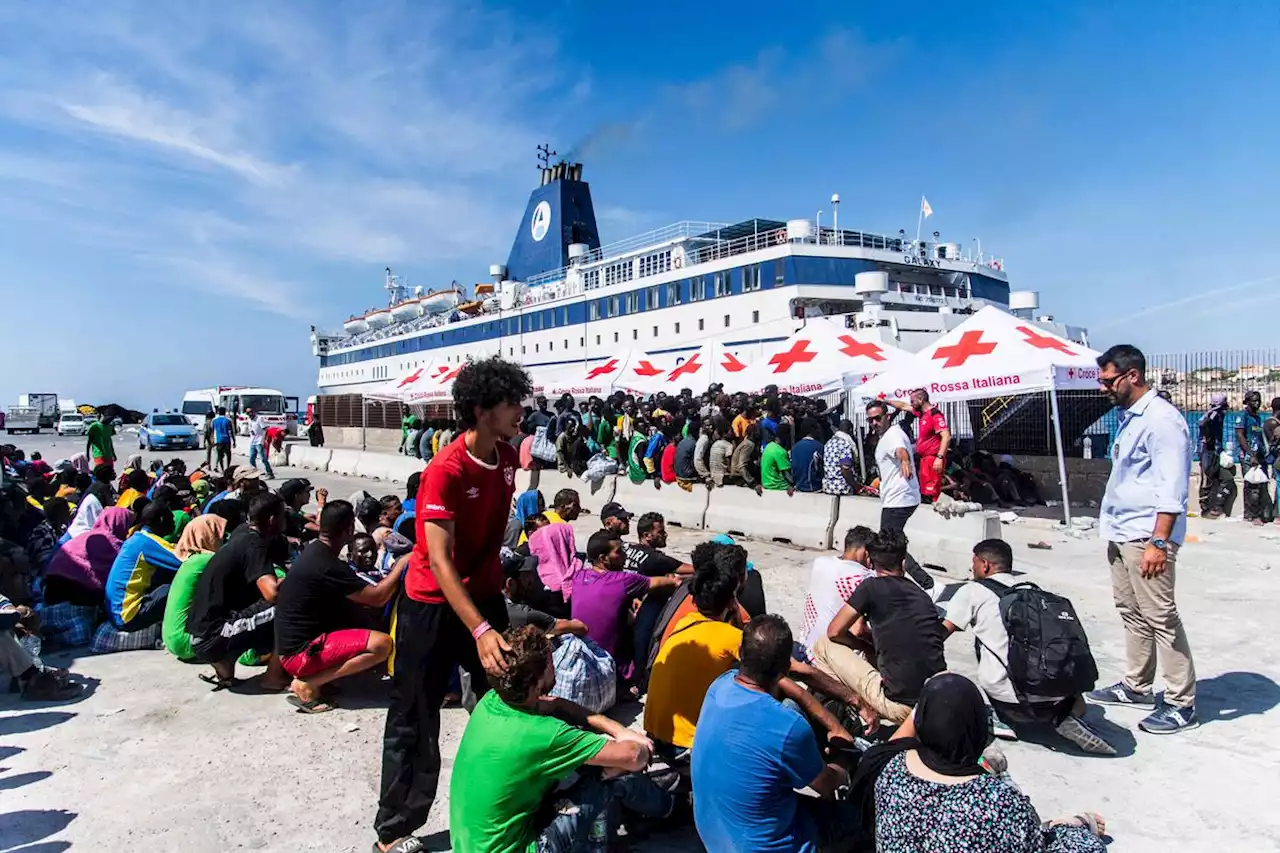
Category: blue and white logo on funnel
[541,221]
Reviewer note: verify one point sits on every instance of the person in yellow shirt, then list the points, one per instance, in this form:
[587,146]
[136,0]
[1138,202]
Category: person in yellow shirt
[749,416]
[138,482]
[566,506]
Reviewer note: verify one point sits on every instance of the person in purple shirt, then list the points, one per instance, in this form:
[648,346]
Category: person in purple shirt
[602,593]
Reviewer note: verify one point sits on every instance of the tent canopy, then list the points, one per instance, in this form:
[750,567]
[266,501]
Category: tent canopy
[989,355]
[625,371]
[420,385]
[822,357]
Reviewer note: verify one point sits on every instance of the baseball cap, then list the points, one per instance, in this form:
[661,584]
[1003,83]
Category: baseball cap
[615,510]
[293,487]
[245,473]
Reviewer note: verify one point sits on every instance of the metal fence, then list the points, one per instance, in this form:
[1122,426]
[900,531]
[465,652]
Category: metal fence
[345,410]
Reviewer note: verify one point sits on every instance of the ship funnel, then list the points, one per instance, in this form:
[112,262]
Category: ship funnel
[558,215]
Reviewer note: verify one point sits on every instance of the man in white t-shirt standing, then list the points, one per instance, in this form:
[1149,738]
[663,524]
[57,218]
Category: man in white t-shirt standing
[257,435]
[895,460]
[832,581]
[975,606]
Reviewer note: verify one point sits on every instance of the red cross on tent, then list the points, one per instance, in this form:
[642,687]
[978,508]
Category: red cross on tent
[440,371]
[1071,373]
[970,344]
[411,378]
[451,374]
[645,368]
[731,363]
[1040,341]
[608,367]
[854,348]
[799,353]
[689,367]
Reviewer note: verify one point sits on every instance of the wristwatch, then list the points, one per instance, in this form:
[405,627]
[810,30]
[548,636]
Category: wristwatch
[1162,544]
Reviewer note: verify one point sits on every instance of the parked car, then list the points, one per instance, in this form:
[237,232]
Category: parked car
[71,423]
[167,431]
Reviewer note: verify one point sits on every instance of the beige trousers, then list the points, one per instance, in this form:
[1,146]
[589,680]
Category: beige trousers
[859,676]
[1151,624]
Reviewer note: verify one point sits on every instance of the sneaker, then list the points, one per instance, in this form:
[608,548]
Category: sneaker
[1119,694]
[1168,720]
[1078,732]
[1001,729]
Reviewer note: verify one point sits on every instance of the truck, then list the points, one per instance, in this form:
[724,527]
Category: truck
[22,419]
[46,406]
[275,408]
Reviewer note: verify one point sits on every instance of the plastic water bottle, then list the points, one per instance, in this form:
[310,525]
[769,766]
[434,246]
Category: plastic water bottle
[1088,447]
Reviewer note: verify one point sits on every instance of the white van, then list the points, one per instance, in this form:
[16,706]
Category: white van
[199,407]
[275,408]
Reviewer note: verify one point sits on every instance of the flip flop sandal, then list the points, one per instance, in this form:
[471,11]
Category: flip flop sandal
[409,844]
[1091,820]
[218,683]
[315,706]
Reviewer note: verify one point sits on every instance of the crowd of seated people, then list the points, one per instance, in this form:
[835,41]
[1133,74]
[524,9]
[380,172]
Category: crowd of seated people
[756,736]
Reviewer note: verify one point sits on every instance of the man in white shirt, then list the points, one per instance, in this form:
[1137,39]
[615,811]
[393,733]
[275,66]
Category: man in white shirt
[832,581]
[1143,520]
[257,435]
[976,606]
[895,460]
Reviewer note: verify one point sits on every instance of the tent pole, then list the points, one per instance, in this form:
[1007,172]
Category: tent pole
[1062,459]
[364,423]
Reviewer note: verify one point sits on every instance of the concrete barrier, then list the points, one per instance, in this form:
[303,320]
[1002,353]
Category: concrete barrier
[678,507]
[946,542]
[344,462]
[311,458]
[549,482]
[802,519]
[384,466]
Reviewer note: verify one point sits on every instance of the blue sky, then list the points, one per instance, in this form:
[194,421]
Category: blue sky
[183,191]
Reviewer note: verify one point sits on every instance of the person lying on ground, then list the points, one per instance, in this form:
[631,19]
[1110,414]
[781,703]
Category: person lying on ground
[234,607]
[603,593]
[753,752]
[138,583]
[976,606]
[902,623]
[519,744]
[317,637]
[933,792]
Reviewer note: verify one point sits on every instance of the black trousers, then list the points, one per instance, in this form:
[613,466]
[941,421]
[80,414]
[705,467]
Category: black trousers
[431,642]
[896,518]
[222,454]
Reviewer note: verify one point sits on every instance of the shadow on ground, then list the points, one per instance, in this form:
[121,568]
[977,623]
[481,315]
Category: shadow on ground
[32,722]
[1233,695]
[32,825]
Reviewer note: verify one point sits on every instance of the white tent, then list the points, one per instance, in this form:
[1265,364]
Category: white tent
[822,357]
[994,354]
[420,385]
[624,372]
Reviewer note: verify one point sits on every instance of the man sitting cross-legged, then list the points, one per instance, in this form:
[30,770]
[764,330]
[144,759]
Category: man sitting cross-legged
[317,636]
[519,744]
[753,753]
[901,621]
[976,605]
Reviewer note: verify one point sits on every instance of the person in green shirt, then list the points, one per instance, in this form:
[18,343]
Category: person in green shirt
[635,449]
[98,447]
[775,469]
[518,744]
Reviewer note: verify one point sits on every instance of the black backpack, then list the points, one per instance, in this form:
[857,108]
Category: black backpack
[1048,651]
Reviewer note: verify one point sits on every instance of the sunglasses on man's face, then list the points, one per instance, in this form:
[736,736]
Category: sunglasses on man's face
[1109,382]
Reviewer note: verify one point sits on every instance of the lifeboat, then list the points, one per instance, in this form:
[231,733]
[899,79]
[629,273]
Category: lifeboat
[379,319]
[356,325]
[407,310]
[470,308]
[439,301]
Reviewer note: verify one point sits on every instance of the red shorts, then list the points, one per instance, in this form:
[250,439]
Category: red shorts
[930,480]
[326,652]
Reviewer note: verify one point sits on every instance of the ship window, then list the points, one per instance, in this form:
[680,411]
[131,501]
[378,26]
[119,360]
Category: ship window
[702,324]
[535,346]
[751,278]
[522,350]
[673,293]
[655,331]
[632,300]
[591,280]
[566,343]
[594,311]
[654,293]
[613,306]
[726,321]
[755,316]
[551,347]
[697,289]
[511,351]
[677,328]
[615,337]
[635,334]
[722,284]
[597,340]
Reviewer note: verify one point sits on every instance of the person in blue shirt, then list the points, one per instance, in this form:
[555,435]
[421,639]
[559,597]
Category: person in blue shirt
[802,456]
[752,753]
[224,438]
[137,587]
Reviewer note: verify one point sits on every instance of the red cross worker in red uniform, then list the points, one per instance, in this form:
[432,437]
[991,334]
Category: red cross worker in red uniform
[933,438]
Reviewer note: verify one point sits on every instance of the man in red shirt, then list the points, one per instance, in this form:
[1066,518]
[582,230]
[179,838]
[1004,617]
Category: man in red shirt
[933,438]
[452,612]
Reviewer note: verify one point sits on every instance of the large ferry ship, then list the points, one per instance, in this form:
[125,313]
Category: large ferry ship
[563,297]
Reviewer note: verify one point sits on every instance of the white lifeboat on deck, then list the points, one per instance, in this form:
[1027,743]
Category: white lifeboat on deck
[439,301]
[379,319]
[356,325]
[408,310]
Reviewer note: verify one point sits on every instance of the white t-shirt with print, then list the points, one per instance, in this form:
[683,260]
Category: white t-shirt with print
[976,608]
[831,583]
[896,491]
